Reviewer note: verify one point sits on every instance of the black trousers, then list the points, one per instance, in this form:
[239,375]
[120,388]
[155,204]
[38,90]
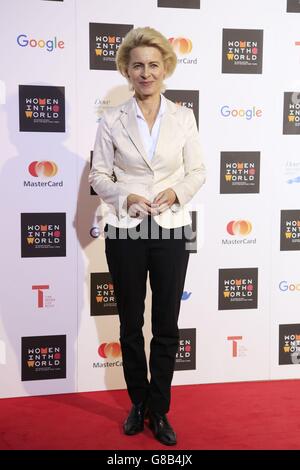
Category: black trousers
[130,254]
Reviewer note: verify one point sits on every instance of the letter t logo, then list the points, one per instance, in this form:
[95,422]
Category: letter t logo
[234,340]
[40,294]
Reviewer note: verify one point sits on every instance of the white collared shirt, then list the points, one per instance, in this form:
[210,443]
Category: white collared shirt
[149,140]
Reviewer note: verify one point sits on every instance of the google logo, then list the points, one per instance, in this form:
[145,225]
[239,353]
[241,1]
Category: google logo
[250,113]
[50,44]
[284,286]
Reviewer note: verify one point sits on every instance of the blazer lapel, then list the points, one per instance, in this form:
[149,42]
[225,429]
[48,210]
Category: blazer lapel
[128,120]
[165,124]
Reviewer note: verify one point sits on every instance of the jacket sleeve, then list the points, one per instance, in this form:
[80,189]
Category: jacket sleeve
[101,173]
[194,168]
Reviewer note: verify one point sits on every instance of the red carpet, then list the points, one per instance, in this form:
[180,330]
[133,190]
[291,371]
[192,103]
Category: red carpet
[248,415]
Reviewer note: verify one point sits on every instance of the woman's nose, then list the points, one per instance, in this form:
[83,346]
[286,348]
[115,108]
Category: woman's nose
[146,72]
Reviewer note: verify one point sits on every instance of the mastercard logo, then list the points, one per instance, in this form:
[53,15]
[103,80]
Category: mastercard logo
[181,45]
[43,169]
[109,350]
[239,227]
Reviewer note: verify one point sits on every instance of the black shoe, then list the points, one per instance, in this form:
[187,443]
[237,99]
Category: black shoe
[161,428]
[135,420]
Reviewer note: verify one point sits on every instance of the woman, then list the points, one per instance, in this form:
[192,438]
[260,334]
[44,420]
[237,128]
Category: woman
[147,166]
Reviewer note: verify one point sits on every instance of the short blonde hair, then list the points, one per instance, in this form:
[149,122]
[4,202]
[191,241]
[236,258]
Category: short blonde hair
[142,37]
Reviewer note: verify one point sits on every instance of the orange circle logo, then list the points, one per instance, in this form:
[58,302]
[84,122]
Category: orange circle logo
[239,227]
[181,46]
[42,169]
[109,350]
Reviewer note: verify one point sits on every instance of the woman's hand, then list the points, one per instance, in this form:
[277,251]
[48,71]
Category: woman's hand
[165,199]
[139,206]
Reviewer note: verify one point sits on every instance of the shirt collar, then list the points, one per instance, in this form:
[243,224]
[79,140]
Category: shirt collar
[161,110]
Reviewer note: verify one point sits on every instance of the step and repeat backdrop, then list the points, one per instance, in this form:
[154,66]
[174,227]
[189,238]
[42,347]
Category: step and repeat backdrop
[238,69]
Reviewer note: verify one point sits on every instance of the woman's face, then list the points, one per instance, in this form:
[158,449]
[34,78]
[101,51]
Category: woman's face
[146,71]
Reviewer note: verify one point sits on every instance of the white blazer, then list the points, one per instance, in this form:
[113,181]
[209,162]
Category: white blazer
[120,164]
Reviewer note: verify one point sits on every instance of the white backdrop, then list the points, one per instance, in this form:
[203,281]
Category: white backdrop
[60,320]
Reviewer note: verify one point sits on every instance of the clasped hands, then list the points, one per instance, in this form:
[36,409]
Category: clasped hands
[139,206]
